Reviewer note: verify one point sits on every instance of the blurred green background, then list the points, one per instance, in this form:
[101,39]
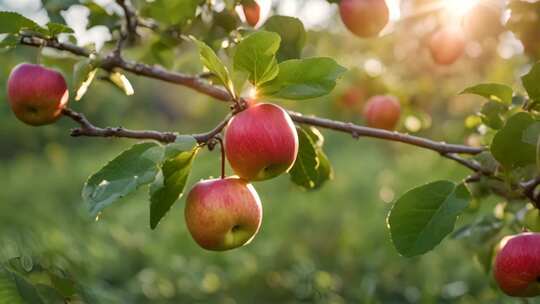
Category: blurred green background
[327,246]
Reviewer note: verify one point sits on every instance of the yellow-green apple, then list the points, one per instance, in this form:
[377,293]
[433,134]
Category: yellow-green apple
[517,265]
[36,94]
[447,45]
[252,11]
[261,142]
[223,214]
[364,18]
[382,112]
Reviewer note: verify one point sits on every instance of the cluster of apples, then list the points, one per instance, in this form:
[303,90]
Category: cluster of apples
[261,142]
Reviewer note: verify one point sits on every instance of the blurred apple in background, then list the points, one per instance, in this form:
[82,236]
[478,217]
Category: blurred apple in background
[447,45]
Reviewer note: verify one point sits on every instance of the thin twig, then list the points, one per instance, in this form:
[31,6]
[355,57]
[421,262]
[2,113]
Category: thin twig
[130,15]
[90,130]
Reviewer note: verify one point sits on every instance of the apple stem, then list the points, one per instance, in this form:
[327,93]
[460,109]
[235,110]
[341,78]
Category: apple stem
[222,148]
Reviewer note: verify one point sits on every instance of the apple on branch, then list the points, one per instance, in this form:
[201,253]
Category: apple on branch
[382,112]
[37,94]
[261,142]
[364,18]
[517,265]
[223,214]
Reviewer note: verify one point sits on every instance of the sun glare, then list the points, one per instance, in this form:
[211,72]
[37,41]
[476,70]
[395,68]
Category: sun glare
[458,8]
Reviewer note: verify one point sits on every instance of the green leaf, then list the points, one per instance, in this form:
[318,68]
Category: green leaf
[292,33]
[325,169]
[58,28]
[121,82]
[132,168]
[304,171]
[303,79]
[8,288]
[9,42]
[492,114]
[168,188]
[312,167]
[531,82]
[13,23]
[84,72]
[424,216]
[493,91]
[515,144]
[49,294]
[255,54]
[171,12]
[27,291]
[212,62]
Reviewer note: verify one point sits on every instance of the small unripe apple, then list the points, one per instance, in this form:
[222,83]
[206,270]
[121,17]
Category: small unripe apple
[382,112]
[252,11]
[447,45]
[261,142]
[517,265]
[36,94]
[223,214]
[364,18]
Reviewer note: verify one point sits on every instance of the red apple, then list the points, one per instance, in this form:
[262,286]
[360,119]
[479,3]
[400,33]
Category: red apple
[382,112]
[252,11]
[36,94]
[223,214]
[447,45]
[517,265]
[261,142]
[364,18]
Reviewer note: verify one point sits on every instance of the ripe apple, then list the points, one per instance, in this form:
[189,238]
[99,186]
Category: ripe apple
[252,11]
[447,45]
[261,142]
[364,18]
[36,94]
[223,214]
[517,265]
[382,112]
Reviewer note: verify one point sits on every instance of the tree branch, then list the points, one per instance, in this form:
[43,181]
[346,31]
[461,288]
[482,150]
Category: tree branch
[113,61]
[129,32]
[53,43]
[89,130]
[358,131]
